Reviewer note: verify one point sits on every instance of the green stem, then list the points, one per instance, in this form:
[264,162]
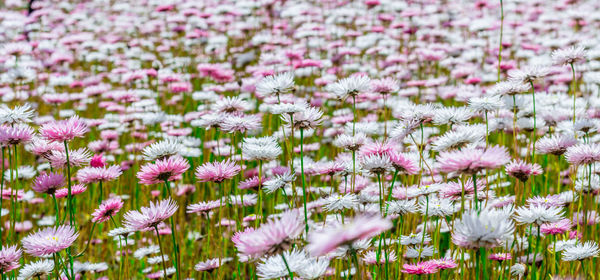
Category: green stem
[164,263]
[303,179]
[501,31]
[287,267]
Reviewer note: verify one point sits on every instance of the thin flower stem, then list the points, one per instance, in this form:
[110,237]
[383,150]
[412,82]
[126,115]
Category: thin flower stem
[287,267]
[56,209]
[574,91]
[176,261]
[70,195]
[87,245]
[303,179]
[424,226]
[162,254]
[1,189]
[475,201]
[501,33]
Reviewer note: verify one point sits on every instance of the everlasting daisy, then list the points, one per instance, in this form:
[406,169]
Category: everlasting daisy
[48,183]
[88,175]
[471,161]
[361,227]
[275,84]
[263,148]
[36,270]
[279,181]
[486,103]
[18,114]
[273,237]
[522,170]
[168,169]
[162,149]
[555,144]
[581,251]
[350,86]
[9,258]
[150,217]
[79,157]
[107,209]
[64,130]
[538,214]
[569,55]
[309,118]
[583,154]
[49,240]
[209,265]
[419,268]
[203,207]
[486,229]
[14,135]
[217,171]
[75,190]
[558,227]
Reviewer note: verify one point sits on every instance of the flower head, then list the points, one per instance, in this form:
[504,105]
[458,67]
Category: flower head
[150,217]
[49,240]
[323,242]
[65,130]
[217,171]
[167,169]
[48,183]
[107,209]
[522,170]
[273,237]
[9,258]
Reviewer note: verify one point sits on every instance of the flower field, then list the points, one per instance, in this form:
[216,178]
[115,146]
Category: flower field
[289,139]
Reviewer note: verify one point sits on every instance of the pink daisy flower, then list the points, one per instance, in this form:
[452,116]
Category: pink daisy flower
[273,237]
[64,130]
[13,135]
[217,171]
[444,263]
[419,268]
[48,183]
[556,144]
[403,164]
[79,157]
[500,257]
[88,175]
[49,240]
[107,210]
[150,217]
[203,207]
[323,242]
[555,228]
[251,183]
[522,170]
[209,265]
[471,161]
[167,169]
[98,161]
[75,190]
[9,258]
[583,154]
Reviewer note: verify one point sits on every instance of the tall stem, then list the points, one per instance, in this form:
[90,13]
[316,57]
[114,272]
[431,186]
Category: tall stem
[176,262]
[476,201]
[573,89]
[287,267]
[424,225]
[162,254]
[70,195]
[303,179]
[534,123]
[501,31]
